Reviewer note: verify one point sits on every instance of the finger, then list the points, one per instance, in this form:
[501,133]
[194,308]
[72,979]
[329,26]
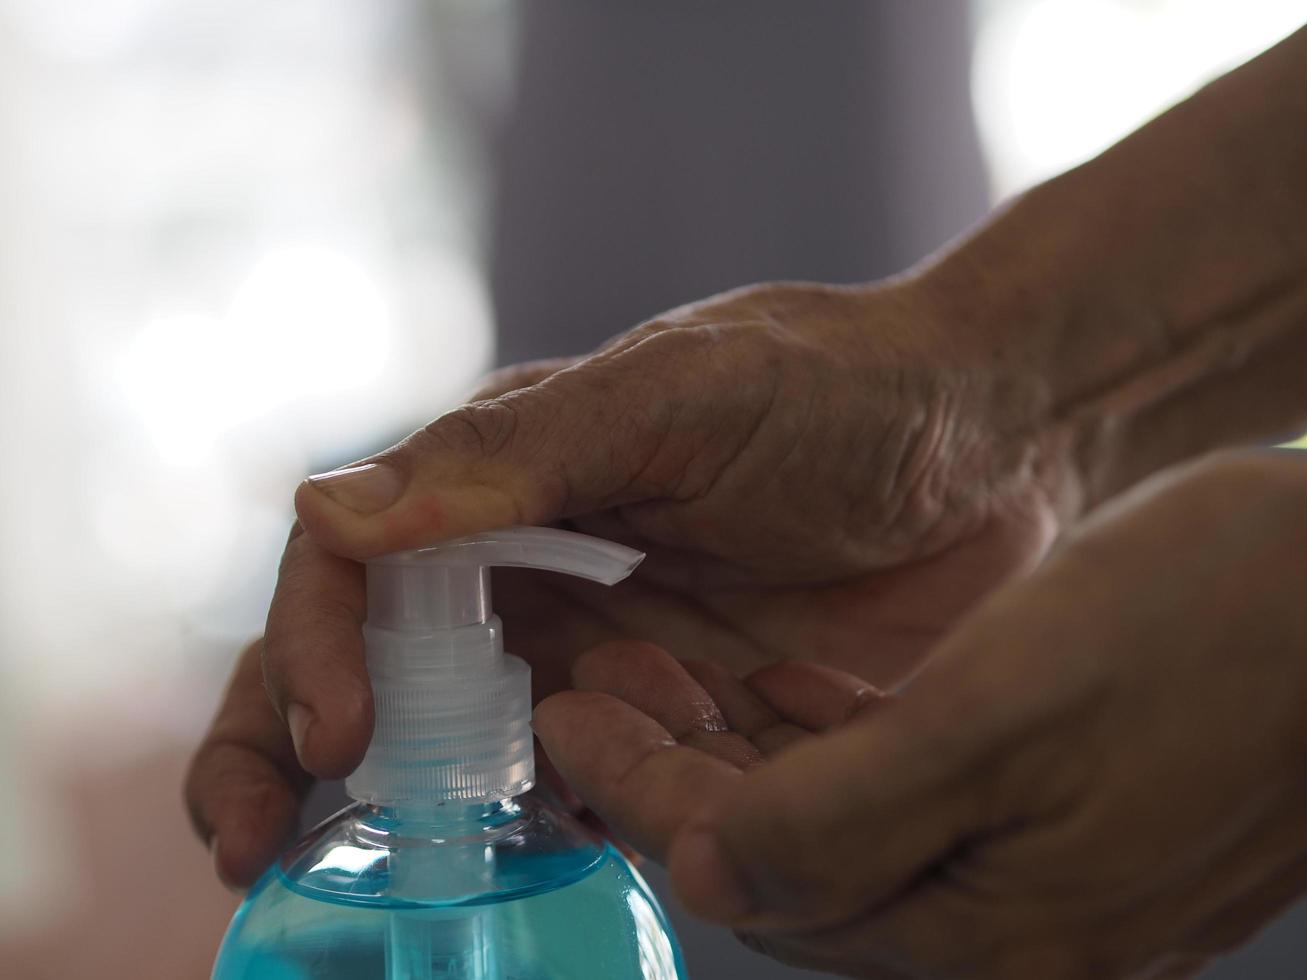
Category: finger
[651,680]
[813,696]
[627,766]
[585,438]
[601,829]
[243,787]
[745,712]
[493,386]
[551,785]
[889,789]
[515,376]
[553,788]
[313,658]
[528,456]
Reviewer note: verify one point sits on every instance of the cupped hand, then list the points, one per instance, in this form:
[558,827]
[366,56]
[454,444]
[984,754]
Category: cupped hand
[828,473]
[1100,774]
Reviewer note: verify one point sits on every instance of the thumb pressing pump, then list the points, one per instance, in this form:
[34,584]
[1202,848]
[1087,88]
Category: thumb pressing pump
[445,867]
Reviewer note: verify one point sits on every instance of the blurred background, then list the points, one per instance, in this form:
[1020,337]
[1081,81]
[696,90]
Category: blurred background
[241,242]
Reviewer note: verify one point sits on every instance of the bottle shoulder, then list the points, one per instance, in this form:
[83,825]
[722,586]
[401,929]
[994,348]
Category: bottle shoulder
[367,856]
[521,893]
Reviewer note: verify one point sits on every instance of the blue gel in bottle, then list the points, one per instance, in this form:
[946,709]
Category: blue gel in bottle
[553,903]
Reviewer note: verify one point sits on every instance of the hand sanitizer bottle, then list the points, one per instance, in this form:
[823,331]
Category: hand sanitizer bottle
[443,869]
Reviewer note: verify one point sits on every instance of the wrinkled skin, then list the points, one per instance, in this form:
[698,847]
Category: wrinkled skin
[1099,775]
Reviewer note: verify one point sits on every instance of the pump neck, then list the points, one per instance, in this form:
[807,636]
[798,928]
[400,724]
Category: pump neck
[453,820]
[415,597]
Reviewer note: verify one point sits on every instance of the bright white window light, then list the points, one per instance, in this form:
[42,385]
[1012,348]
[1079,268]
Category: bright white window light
[1057,81]
[76,29]
[307,321]
[173,374]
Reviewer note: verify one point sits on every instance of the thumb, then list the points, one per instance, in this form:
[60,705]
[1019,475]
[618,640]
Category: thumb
[830,829]
[567,442]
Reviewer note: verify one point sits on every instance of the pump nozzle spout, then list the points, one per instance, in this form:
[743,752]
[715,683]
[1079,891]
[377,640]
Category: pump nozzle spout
[446,585]
[545,548]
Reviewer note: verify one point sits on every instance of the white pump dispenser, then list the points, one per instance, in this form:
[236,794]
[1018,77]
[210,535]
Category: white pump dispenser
[453,712]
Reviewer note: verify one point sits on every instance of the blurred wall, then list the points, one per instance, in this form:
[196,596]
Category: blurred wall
[661,152]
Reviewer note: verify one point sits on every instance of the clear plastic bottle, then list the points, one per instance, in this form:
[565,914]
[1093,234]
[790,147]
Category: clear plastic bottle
[446,868]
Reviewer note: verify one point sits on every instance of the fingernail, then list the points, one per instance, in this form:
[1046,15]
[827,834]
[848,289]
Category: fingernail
[298,720]
[364,489]
[718,885]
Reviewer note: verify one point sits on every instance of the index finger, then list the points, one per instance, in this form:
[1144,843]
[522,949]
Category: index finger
[313,657]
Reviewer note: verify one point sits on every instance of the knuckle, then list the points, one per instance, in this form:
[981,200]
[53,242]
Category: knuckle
[658,327]
[517,376]
[666,342]
[484,429]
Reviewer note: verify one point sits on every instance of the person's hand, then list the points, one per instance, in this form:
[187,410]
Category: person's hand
[823,472]
[1101,774]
